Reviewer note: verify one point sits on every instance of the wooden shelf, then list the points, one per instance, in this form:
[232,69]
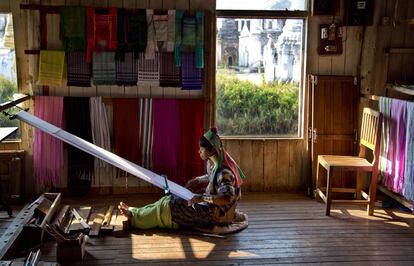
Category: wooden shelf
[396,197]
[401,88]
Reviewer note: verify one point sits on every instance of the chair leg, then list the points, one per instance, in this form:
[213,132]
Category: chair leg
[372,192]
[328,191]
[359,184]
[317,180]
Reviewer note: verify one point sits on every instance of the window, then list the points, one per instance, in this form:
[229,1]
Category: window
[259,62]
[8,77]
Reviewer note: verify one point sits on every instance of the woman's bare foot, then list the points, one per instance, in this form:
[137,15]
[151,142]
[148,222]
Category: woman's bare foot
[123,208]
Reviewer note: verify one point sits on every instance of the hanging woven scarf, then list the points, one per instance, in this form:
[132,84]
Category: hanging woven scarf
[169,73]
[78,122]
[191,128]
[104,68]
[79,71]
[385,162]
[132,31]
[166,138]
[51,68]
[148,71]
[101,30]
[127,70]
[191,77]
[73,27]
[126,129]
[409,159]
[395,181]
[100,133]
[178,37]
[199,48]
[48,150]
[151,48]
[146,131]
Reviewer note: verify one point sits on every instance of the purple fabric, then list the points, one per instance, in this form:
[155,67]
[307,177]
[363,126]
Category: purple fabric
[395,181]
[191,77]
[166,138]
[48,150]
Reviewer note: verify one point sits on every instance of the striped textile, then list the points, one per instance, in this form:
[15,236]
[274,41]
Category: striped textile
[148,71]
[104,69]
[79,71]
[169,73]
[127,70]
[385,160]
[199,48]
[51,68]
[166,138]
[169,44]
[191,77]
[100,133]
[178,37]
[73,28]
[101,24]
[146,131]
[132,31]
[409,158]
[47,150]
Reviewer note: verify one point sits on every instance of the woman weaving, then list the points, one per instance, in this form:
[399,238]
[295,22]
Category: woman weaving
[214,210]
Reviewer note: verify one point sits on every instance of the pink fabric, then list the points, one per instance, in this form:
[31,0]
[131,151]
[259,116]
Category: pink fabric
[166,139]
[48,150]
[395,181]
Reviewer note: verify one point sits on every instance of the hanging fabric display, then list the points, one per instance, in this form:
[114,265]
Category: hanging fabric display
[79,71]
[146,131]
[148,71]
[178,37]
[127,70]
[169,73]
[48,150]
[385,155]
[78,122]
[409,159]
[191,128]
[132,32]
[395,181]
[51,68]
[191,77]
[104,68]
[151,43]
[166,138]
[100,132]
[126,129]
[199,47]
[73,28]
[101,30]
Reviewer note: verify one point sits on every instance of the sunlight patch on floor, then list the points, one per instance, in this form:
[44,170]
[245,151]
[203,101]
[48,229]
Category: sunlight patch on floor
[207,248]
[240,253]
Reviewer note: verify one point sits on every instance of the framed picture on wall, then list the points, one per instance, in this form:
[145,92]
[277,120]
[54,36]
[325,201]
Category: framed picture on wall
[325,7]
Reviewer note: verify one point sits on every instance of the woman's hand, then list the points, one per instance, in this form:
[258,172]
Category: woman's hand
[196,199]
[192,184]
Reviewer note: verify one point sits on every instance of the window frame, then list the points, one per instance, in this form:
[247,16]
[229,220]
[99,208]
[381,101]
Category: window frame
[272,14]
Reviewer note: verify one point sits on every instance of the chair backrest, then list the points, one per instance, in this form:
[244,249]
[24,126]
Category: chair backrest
[370,132]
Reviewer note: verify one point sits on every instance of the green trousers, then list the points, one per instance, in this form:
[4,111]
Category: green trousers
[157,214]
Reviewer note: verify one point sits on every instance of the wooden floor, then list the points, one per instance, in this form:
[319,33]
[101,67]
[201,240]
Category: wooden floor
[283,229]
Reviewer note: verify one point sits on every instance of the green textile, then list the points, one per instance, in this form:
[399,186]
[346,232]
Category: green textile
[199,49]
[73,28]
[157,214]
[178,37]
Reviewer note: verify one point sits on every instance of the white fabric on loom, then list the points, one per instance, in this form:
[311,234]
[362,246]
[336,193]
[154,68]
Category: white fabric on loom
[100,132]
[105,155]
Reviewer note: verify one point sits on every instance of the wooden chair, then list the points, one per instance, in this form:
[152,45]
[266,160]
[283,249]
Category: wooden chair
[369,140]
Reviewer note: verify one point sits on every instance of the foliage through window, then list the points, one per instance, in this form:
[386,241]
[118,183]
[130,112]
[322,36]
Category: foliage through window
[8,78]
[259,64]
